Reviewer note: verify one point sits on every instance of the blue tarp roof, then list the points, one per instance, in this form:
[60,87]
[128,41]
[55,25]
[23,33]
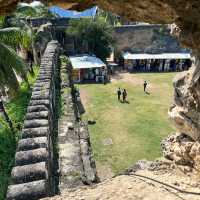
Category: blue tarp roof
[60,12]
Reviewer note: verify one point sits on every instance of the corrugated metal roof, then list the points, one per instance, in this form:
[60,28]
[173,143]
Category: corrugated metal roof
[86,61]
[130,56]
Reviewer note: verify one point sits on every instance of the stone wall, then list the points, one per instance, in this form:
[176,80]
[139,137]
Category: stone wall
[35,172]
[32,175]
[145,39]
[76,163]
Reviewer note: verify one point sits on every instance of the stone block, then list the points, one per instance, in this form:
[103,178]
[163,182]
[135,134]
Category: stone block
[31,156]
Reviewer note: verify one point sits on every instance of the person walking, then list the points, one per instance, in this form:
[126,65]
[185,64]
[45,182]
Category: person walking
[119,94]
[124,95]
[145,86]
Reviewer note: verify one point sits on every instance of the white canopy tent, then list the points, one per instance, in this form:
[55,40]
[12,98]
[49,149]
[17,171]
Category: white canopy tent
[86,62]
[131,56]
[87,67]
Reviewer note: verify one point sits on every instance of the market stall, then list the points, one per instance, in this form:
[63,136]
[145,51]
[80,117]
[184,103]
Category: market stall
[157,62]
[88,68]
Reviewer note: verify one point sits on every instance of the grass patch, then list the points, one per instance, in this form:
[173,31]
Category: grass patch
[16,109]
[137,128]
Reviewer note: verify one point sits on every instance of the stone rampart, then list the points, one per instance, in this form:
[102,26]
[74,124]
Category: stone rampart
[32,175]
[76,163]
[35,174]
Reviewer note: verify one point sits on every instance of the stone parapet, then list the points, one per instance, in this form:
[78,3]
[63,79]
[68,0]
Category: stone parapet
[32,175]
[76,164]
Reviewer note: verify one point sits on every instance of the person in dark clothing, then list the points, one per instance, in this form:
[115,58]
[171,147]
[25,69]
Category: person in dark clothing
[124,95]
[145,86]
[119,94]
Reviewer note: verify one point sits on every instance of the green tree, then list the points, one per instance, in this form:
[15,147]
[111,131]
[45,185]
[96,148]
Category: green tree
[92,36]
[112,19]
[11,64]
[32,10]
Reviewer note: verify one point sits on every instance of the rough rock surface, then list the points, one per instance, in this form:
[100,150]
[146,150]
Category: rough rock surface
[150,181]
[183,150]
[145,39]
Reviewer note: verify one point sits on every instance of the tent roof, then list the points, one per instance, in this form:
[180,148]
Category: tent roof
[86,61]
[91,12]
[130,56]
[33,4]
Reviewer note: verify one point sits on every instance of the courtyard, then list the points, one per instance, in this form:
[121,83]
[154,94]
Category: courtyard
[122,133]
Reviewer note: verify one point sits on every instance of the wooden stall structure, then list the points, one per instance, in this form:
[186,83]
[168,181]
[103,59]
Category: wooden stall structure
[88,68]
[157,62]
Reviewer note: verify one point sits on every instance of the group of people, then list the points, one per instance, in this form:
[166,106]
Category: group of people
[123,93]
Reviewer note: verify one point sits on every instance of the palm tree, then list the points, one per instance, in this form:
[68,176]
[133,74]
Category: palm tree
[11,64]
[20,37]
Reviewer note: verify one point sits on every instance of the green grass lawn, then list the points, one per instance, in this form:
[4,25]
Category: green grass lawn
[16,109]
[137,128]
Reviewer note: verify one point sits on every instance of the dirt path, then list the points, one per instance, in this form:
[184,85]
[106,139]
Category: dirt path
[84,97]
[132,79]
[159,184]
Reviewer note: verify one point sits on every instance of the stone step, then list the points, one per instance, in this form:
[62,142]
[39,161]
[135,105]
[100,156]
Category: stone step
[29,173]
[36,123]
[40,97]
[40,105]
[35,132]
[41,92]
[31,156]
[37,115]
[28,191]
[41,84]
[32,143]
[36,108]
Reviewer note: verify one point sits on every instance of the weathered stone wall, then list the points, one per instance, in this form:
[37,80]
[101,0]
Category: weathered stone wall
[145,39]
[35,172]
[76,164]
[32,176]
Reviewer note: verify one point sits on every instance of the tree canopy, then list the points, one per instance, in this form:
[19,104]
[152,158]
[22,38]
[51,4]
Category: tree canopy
[32,10]
[92,36]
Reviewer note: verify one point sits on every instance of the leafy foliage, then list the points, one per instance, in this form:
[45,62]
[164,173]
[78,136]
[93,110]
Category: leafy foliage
[94,34]
[16,109]
[109,17]
[14,36]
[2,21]
[26,10]
[9,65]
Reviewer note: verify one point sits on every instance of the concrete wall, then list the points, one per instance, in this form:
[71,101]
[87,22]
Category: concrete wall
[32,175]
